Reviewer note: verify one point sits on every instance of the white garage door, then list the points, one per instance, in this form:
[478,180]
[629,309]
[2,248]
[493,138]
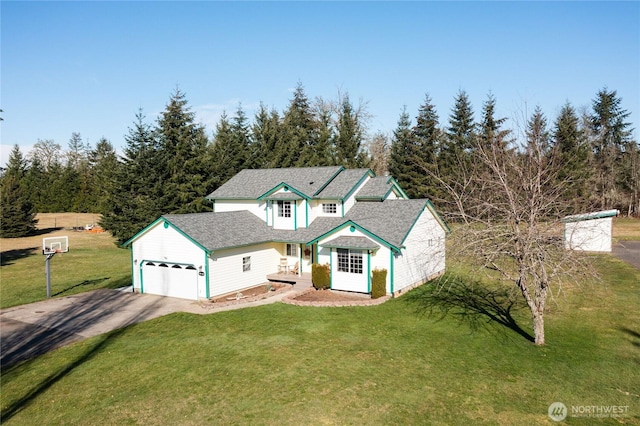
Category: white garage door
[170,279]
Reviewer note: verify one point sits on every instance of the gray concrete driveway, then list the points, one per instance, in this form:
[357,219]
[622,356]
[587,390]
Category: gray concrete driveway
[628,251]
[34,329]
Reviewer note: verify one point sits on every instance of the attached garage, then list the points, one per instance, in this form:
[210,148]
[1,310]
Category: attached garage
[169,279]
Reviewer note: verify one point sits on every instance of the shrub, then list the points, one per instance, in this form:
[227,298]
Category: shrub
[320,276]
[378,283]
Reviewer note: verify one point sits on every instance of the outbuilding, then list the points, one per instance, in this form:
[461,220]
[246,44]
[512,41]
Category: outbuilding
[589,231]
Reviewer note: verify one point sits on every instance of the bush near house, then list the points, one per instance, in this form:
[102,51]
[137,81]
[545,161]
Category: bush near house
[378,283]
[320,276]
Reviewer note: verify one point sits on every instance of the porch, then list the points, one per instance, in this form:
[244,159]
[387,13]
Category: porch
[301,281]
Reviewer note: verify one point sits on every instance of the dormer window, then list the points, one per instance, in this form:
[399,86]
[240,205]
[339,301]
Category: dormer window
[284,208]
[331,208]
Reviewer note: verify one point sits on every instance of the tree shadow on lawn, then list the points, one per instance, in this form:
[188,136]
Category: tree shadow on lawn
[635,336]
[21,343]
[469,301]
[11,256]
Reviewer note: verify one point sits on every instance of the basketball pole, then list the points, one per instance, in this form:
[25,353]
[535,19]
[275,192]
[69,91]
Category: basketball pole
[47,272]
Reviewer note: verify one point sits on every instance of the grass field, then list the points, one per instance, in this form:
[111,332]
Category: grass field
[92,262]
[626,229]
[389,364]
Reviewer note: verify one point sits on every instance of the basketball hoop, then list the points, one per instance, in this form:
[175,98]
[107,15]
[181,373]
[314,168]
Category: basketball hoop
[50,247]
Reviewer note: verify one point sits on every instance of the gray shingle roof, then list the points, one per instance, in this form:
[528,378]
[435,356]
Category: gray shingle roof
[215,231]
[375,188]
[390,220]
[363,243]
[251,184]
[346,181]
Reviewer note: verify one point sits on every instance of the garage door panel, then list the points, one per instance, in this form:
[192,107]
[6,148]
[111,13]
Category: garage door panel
[173,280]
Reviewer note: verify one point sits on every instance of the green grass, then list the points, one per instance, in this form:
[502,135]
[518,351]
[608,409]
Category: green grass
[92,262]
[388,364]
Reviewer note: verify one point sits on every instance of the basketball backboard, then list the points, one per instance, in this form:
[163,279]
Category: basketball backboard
[55,245]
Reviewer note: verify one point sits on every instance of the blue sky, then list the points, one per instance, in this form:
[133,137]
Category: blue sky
[88,67]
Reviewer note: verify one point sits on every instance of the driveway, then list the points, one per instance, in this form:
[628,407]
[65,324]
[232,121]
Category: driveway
[34,329]
[628,251]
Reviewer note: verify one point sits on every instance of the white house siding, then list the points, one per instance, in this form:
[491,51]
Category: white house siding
[381,260]
[423,255]
[225,267]
[316,209]
[257,208]
[166,245]
[351,200]
[589,235]
[346,281]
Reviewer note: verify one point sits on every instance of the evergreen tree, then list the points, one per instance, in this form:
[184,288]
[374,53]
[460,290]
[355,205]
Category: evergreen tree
[611,137]
[570,141]
[104,171]
[400,166]
[229,149]
[265,134]
[349,137]
[423,152]
[134,201]
[37,184]
[454,158]
[182,151]
[298,147]
[18,215]
[325,133]
[491,135]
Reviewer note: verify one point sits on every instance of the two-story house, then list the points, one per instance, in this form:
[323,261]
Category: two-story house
[265,219]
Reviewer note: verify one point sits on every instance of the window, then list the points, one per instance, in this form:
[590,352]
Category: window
[284,208]
[330,208]
[343,260]
[246,264]
[292,250]
[350,261]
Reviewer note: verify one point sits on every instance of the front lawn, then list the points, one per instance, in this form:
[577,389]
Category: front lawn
[387,364]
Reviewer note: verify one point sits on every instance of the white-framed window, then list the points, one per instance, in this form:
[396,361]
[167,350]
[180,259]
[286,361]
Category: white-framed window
[292,250]
[329,208]
[246,264]
[350,261]
[284,208]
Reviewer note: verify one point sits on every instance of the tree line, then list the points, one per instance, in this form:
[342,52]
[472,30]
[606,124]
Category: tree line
[169,165]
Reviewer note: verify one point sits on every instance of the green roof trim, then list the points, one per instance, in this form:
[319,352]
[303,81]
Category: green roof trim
[368,173]
[166,222]
[590,216]
[438,217]
[359,228]
[329,181]
[281,185]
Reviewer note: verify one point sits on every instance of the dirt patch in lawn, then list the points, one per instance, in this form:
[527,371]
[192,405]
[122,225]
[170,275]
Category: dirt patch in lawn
[313,297]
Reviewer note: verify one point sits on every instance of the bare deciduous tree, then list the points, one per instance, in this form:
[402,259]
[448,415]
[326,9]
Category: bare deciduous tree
[509,199]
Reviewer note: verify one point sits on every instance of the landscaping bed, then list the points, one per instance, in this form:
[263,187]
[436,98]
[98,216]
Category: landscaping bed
[249,295]
[313,297]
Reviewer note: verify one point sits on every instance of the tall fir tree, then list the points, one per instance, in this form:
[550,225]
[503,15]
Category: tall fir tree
[265,134]
[134,201]
[423,152]
[400,166]
[611,135]
[230,146]
[298,147]
[182,151]
[454,157]
[490,129]
[104,165]
[18,215]
[349,137]
[573,151]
